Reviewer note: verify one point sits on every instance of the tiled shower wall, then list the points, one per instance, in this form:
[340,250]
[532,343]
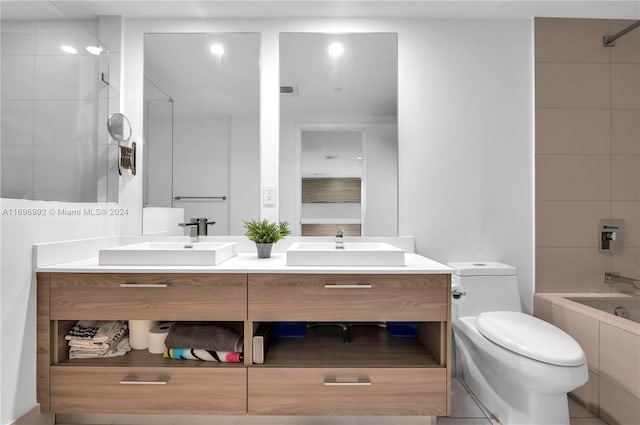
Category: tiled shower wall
[54,108]
[587,151]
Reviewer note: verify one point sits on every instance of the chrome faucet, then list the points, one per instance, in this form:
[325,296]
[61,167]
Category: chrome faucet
[610,277]
[193,231]
[339,235]
[197,227]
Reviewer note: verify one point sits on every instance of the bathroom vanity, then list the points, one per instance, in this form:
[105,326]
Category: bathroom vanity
[376,374]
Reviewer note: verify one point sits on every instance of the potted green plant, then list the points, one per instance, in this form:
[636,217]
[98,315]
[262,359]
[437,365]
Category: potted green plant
[265,233]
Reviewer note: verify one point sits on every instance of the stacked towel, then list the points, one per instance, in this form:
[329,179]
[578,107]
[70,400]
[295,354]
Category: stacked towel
[212,336]
[207,341]
[204,355]
[98,338]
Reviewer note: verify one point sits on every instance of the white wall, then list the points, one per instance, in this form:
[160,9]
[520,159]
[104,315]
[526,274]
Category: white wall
[466,145]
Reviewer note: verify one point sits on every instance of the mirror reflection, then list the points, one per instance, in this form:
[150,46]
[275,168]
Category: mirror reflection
[202,126]
[339,134]
[55,102]
[119,127]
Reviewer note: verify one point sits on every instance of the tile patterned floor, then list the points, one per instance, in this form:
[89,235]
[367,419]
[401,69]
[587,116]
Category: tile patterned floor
[464,411]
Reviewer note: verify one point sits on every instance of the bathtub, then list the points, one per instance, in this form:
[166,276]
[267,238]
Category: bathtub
[611,343]
[624,307]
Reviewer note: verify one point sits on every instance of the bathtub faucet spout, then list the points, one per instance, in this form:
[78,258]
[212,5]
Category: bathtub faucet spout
[610,277]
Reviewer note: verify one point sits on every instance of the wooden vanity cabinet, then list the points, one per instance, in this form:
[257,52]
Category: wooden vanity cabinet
[375,374]
[138,382]
[316,375]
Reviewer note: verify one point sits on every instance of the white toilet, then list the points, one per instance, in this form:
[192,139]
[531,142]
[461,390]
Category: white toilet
[519,367]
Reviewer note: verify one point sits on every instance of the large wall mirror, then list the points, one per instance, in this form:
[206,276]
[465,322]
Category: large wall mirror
[55,104]
[339,133]
[202,126]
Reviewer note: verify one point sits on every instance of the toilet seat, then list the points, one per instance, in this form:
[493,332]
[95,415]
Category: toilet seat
[530,337]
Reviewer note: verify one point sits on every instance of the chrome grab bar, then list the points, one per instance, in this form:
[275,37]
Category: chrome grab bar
[611,277]
[222,198]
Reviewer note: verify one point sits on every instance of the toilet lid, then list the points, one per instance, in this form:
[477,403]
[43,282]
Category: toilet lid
[530,337]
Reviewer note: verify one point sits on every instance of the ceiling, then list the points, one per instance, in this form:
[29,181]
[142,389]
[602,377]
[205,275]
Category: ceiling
[471,9]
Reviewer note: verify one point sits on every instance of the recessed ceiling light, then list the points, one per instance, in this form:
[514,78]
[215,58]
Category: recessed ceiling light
[359,157]
[94,50]
[336,49]
[217,49]
[69,49]
[331,157]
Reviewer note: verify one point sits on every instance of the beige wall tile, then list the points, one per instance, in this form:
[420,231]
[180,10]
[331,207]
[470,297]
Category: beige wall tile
[570,270]
[573,177]
[588,394]
[627,263]
[620,358]
[627,48]
[625,131]
[625,175]
[583,329]
[630,212]
[569,223]
[570,40]
[572,85]
[618,407]
[625,86]
[573,131]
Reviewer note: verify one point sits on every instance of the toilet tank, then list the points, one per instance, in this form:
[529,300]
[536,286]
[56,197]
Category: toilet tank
[489,286]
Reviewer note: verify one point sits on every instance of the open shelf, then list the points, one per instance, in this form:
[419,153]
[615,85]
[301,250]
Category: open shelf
[134,358]
[370,346]
[143,358]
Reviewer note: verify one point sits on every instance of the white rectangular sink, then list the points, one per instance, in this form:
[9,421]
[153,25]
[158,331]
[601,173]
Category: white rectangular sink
[353,254]
[168,254]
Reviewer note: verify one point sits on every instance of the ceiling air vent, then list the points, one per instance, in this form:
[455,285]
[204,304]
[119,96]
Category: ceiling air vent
[289,90]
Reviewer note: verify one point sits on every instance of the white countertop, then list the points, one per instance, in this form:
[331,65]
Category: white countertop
[250,263]
[81,256]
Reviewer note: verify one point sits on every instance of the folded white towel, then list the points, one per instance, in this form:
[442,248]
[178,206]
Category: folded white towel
[96,331]
[120,349]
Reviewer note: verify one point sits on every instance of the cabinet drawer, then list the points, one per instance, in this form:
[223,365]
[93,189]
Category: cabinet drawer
[184,296]
[198,390]
[359,391]
[317,297]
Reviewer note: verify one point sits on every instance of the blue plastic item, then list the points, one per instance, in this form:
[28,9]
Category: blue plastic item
[403,329]
[289,329]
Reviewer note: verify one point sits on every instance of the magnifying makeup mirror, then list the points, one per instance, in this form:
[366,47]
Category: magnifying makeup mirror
[120,130]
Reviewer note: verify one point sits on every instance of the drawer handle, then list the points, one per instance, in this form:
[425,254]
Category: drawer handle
[144,285]
[132,380]
[358,286]
[332,382]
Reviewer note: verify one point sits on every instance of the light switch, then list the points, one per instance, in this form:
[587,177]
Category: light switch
[269,196]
